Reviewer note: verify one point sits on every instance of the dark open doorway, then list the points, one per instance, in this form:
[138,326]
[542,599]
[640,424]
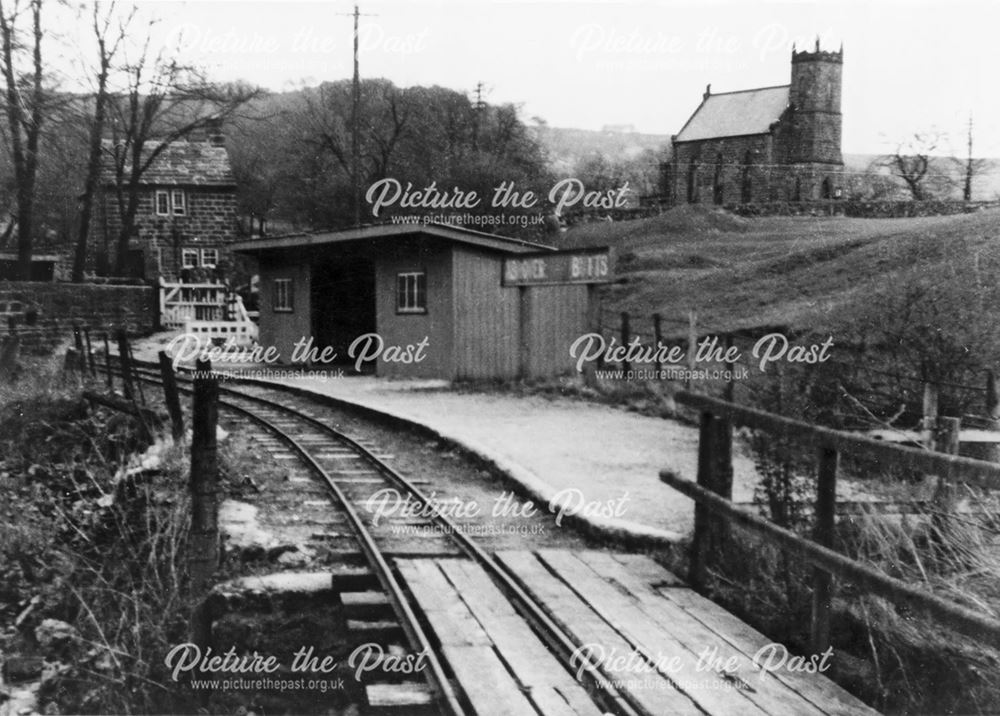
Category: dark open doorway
[343,303]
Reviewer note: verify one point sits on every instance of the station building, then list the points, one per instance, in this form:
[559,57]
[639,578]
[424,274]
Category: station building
[444,302]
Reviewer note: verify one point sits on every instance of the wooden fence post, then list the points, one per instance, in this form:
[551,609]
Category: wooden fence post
[698,567]
[692,347]
[9,349]
[626,337]
[204,542]
[71,363]
[715,473]
[123,359]
[993,412]
[107,364]
[946,440]
[90,353]
[823,532]
[730,391]
[171,396]
[81,355]
[135,375]
[657,334]
[930,410]
[722,475]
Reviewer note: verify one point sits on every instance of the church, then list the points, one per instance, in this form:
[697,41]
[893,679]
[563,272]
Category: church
[763,145]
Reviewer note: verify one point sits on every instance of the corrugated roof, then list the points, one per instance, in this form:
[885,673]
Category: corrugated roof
[185,163]
[461,235]
[732,114]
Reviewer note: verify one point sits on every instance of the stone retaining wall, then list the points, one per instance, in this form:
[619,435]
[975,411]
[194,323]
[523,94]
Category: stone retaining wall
[43,314]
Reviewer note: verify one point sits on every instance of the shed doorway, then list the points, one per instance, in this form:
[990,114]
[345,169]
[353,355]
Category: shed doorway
[343,304]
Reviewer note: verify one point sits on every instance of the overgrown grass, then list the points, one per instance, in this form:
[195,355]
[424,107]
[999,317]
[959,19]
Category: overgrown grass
[85,544]
[127,593]
[807,272]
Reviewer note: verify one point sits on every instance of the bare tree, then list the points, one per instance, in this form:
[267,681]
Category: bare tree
[24,105]
[164,102]
[911,162]
[107,48]
[386,112]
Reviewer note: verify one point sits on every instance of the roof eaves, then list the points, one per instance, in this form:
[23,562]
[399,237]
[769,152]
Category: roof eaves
[722,136]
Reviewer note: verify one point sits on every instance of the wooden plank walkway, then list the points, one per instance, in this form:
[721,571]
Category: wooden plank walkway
[671,650]
[502,667]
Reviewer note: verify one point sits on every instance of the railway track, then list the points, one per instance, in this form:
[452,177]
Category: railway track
[356,477]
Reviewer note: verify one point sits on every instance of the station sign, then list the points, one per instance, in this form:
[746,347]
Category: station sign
[558,267]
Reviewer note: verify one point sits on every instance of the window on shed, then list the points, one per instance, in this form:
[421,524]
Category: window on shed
[162,202]
[411,292]
[282,299]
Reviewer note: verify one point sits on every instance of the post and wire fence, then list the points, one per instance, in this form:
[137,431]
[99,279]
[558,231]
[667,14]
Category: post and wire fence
[715,511]
[929,447]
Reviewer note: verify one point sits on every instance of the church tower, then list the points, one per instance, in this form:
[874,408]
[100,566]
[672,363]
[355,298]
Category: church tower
[815,99]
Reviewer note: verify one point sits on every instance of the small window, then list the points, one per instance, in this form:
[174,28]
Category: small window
[177,202]
[411,292]
[189,258]
[209,258]
[283,295]
[162,203]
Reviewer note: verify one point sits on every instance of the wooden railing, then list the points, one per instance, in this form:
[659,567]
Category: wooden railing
[714,510]
[209,310]
[183,302]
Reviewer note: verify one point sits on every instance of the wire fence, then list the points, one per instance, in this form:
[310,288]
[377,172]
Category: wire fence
[751,365]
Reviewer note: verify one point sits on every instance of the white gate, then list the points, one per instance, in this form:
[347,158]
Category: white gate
[208,310]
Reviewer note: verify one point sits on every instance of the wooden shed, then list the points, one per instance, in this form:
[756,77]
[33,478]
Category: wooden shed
[433,301]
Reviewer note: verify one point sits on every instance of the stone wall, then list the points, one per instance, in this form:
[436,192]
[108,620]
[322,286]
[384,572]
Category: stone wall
[744,170]
[718,169]
[43,314]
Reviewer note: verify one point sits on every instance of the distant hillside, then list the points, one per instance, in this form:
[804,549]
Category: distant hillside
[565,147]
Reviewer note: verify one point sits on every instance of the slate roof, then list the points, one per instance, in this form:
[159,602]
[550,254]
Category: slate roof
[734,114]
[193,162]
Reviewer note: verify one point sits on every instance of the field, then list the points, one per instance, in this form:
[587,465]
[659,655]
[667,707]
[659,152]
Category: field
[803,272]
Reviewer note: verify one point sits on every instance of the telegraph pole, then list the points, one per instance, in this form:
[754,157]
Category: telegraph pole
[356,124]
[477,111]
[355,127]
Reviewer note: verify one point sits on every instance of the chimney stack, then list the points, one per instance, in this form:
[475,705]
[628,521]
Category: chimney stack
[213,132]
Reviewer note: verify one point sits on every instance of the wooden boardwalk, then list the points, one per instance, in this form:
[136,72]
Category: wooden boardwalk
[671,650]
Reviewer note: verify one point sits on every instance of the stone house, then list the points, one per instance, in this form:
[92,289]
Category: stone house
[778,143]
[187,215]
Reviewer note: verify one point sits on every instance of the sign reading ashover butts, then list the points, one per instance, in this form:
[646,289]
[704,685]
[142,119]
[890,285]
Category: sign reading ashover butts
[558,267]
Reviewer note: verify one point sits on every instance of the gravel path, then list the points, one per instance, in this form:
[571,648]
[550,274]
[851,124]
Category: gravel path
[611,456]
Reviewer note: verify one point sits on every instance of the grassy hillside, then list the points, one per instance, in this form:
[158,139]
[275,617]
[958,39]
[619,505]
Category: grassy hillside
[807,272]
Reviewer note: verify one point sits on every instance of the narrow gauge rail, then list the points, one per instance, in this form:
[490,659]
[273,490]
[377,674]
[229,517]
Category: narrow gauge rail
[287,410]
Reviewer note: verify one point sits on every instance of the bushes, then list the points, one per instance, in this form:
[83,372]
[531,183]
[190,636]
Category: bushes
[82,545]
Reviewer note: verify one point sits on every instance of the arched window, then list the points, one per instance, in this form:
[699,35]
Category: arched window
[693,182]
[717,188]
[797,196]
[827,189]
[746,181]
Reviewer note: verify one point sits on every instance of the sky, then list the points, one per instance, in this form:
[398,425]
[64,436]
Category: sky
[909,67]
